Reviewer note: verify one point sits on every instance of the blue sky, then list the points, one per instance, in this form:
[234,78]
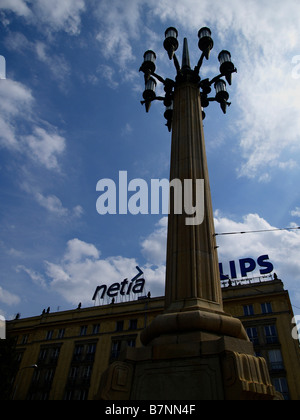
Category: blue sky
[70,115]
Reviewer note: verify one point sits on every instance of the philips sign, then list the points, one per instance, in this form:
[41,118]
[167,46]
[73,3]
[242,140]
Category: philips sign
[125,288]
[247,265]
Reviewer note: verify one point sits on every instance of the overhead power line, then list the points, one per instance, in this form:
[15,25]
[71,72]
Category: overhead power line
[256,231]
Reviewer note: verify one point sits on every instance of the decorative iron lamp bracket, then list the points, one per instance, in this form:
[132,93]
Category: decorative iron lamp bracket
[185,73]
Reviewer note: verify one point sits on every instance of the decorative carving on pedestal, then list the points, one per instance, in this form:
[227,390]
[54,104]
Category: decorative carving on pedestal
[247,378]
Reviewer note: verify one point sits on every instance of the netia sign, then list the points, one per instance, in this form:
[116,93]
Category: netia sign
[126,287]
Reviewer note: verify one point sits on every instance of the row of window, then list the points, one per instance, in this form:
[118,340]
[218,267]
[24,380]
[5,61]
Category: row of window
[83,331]
[266,308]
[269,335]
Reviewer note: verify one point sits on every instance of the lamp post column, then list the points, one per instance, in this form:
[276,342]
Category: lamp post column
[192,272]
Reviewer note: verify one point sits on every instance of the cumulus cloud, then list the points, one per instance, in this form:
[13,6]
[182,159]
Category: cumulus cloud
[82,269]
[57,15]
[44,144]
[16,102]
[155,245]
[8,298]
[44,147]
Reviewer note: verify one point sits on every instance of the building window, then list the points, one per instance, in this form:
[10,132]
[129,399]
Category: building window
[275,360]
[49,335]
[96,329]
[24,339]
[43,355]
[281,386]
[248,310]
[266,308]
[61,333]
[120,326]
[83,330]
[253,335]
[271,334]
[55,354]
[133,324]
[73,372]
[91,350]
[131,343]
[116,349]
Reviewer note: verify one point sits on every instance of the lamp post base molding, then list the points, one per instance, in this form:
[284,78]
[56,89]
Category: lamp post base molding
[192,366]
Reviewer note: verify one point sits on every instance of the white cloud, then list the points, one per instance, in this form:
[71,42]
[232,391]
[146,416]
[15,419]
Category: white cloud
[82,269]
[42,145]
[61,15]
[155,245]
[16,102]
[45,147]
[54,15]
[20,7]
[120,21]
[56,64]
[8,298]
[52,204]
[296,212]
[37,278]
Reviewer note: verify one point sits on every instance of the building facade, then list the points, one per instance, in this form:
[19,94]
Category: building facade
[63,355]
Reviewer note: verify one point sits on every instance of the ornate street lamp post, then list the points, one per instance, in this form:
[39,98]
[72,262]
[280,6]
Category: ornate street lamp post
[194,350]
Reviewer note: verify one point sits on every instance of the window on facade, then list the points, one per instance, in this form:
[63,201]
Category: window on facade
[281,386]
[271,334]
[43,355]
[61,333]
[116,349]
[131,343]
[266,308]
[24,339]
[96,329]
[78,352]
[133,324]
[83,330]
[253,335]
[73,372]
[49,335]
[90,353]
[275,360]
[248,310]
[120,326]
[49,374]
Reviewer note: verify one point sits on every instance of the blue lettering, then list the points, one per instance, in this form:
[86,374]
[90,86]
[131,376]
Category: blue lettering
[247,269]
[223,277]
[263,263]
[233,270]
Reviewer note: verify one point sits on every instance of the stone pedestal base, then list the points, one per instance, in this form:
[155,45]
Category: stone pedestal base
[189,366]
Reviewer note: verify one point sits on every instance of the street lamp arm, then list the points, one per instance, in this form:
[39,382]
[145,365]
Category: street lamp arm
[159,78]
[199,65]
[176,63]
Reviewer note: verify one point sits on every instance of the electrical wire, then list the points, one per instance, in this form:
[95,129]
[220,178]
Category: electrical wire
[256,231]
